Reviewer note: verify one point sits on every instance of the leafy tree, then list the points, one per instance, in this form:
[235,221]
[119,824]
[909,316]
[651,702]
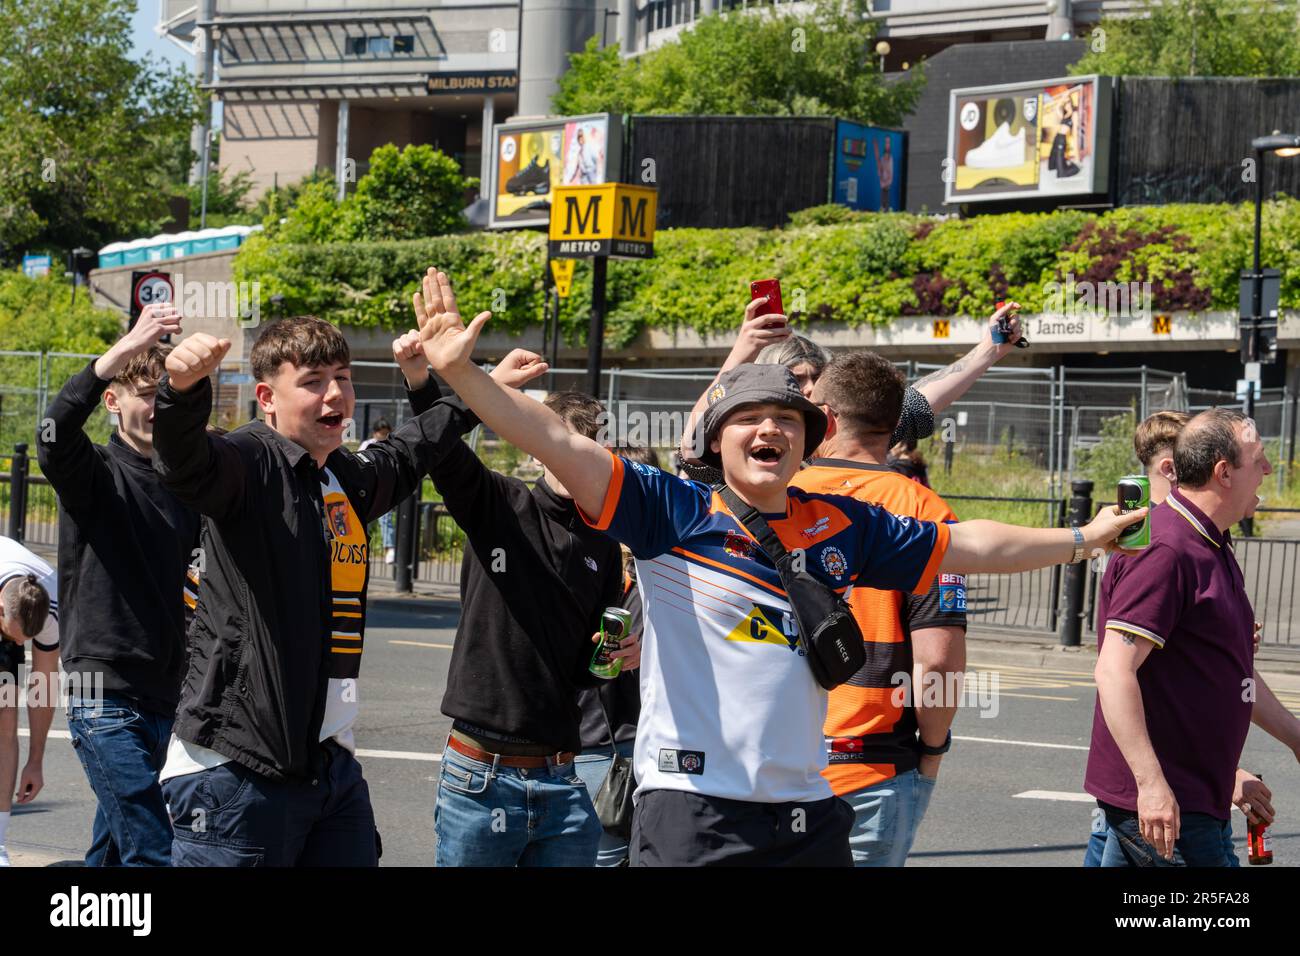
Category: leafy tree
[90,139]
[411,194]
[1198,38]
[407,195]
[765,62]
[1112,457]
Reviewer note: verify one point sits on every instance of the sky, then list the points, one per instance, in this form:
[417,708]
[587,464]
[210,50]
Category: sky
[147,43]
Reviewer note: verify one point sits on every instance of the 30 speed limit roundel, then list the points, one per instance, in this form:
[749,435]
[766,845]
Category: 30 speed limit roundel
[155,287]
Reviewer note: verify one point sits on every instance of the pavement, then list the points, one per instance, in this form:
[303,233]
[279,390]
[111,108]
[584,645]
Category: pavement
[1010,791]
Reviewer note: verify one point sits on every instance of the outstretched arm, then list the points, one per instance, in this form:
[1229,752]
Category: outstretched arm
[992,546]
[581,465]
[951,382]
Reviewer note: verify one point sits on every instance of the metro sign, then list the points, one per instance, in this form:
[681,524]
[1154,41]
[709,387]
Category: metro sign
[611,219]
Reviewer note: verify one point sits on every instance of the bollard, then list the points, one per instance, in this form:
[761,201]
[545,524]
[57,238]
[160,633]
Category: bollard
[1072,617]
[18,493]
[404,566]
[947,457]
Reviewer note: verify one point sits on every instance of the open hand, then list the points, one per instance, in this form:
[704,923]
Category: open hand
[447,341]
[156,320]
[195,359]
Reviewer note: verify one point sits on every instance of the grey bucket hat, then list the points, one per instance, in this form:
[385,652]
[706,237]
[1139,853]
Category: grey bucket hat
[757,385]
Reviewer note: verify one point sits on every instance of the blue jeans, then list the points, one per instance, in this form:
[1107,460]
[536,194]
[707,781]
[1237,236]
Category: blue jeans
[1092,856]
[886,816]
[231,816]
[387,530]
[122,749]
[488,815]
[592,766]
[1203,841]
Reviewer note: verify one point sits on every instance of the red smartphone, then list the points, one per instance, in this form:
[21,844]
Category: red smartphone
[770,288]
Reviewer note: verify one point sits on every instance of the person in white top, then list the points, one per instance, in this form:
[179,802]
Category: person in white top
[28,613]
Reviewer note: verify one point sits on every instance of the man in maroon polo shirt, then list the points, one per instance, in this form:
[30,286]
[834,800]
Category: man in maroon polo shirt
[1169,727]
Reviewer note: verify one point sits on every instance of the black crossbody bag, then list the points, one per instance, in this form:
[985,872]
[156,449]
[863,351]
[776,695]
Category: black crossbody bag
[828,634]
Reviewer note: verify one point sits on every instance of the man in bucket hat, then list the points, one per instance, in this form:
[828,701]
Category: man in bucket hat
[729,749]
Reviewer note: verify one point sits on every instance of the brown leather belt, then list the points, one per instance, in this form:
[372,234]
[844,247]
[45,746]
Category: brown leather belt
[505,760]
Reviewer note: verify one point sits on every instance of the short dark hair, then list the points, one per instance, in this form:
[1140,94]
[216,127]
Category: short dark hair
[28,602]
[865,391]
[303,341]
[1157,431]
[1206,440]
[144,370]
[580,412]
[638,454]
[381,426]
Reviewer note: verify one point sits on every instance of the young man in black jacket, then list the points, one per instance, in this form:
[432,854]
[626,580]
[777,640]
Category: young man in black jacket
[124,544]
[260,769]
[533,585]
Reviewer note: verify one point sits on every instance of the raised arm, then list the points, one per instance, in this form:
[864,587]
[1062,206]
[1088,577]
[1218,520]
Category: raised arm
[581,465]
[757,332]
[66,455]
[204,471]
[992,546]
[951,382]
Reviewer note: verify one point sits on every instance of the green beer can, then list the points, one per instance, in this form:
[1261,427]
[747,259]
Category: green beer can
[615,624]
[1135,493]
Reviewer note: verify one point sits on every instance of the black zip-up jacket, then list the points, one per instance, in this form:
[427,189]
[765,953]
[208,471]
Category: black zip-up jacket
[125,542]
[533,584]
[259,669]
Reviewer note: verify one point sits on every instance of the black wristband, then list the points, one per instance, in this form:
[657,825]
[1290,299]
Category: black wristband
[927,751]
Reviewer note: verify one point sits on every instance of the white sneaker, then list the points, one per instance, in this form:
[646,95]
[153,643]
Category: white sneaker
[1000,150]
[4,856]
[390,556]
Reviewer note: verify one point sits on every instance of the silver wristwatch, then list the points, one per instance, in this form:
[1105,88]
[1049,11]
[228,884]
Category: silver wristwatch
[1078,546]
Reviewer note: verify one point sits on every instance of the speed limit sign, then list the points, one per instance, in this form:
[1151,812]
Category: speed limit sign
[150,287]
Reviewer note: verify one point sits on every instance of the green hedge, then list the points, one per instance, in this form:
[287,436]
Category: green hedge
[858,268]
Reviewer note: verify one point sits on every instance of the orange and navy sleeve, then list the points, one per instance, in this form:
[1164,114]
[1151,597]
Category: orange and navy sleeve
[899,554]
[648,510]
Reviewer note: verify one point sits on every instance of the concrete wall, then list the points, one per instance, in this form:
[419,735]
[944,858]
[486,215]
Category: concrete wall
[277,142]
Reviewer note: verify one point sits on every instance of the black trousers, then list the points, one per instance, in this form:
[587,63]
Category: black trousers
[676,828]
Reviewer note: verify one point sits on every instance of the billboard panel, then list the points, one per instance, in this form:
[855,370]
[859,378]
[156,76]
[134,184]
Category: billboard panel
[870,167]
[1022,140]
[531,158]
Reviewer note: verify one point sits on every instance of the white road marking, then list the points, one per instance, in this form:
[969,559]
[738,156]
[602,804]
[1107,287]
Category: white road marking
[1019,743]
[399,755]
[445,647]
[380,754]
[1056,795]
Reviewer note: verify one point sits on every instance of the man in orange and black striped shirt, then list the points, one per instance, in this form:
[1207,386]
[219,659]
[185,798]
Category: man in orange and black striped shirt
[887,728]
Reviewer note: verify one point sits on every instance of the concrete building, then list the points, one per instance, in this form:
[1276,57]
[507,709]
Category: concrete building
[912,28]
[306,84]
